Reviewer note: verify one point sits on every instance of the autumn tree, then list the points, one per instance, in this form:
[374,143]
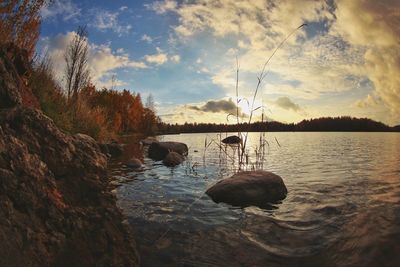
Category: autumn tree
[20,22]
[77,68]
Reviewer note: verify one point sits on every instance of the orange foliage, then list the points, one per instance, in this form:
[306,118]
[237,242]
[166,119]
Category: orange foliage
[20,23]
[123,110]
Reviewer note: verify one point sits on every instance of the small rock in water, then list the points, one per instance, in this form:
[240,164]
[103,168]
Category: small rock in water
[249,188]
[134,163]
[173,159]
[233,139]
[159,150]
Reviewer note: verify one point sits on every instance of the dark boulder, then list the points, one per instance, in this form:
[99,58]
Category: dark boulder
[249,188]
[159,150]
[233,139]
[173,159]
[134,163]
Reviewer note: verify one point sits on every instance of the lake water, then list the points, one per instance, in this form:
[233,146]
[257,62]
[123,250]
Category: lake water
[342,207]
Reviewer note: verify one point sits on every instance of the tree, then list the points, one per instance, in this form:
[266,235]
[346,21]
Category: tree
[20,22]
[77,69]
[150,103]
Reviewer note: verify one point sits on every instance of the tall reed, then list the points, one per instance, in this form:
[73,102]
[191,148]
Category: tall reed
[260,154]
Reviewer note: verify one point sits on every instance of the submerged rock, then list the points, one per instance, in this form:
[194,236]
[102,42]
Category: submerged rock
[134,163]
[173,159]
[249,188]
[159,150]
[233,139]
[55,204]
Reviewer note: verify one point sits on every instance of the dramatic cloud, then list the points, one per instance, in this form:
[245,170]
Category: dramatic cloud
[347,45]
[375,26]
[102,60]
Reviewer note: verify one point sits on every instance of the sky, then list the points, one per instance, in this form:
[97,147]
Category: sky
[344,62]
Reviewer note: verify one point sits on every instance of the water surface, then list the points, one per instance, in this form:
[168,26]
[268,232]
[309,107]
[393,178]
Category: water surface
[342,208]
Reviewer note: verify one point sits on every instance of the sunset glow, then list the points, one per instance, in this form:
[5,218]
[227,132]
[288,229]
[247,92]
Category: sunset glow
[345,62]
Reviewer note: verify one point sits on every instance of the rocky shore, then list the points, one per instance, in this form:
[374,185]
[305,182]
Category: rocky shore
[55,206]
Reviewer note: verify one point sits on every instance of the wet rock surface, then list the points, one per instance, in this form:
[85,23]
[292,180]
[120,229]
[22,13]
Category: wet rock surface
[134,163]
[258,188]
[159,150]
[55,205]
[173,159]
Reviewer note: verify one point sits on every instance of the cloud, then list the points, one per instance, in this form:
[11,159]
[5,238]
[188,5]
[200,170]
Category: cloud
[158,59]
[161,7]
[68,9]
[102,61]
[286,103]
[217,106]
[107,20]
[346,44]
[147,39]
[378,31]
[368,102]
[161,57]
[175,58]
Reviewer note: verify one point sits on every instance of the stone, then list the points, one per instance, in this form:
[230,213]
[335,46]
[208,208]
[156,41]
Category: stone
[173,159]
[159,150]
[134,163]
[249,188]
[55,203]
[233,139]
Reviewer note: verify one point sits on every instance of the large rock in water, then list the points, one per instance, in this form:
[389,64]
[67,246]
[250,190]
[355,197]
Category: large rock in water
[55,205]
[159,150]
[249,188]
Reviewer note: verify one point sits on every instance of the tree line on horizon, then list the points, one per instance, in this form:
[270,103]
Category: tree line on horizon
[324,124]
[75,105]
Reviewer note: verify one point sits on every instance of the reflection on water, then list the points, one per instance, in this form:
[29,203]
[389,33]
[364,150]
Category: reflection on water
[342,209]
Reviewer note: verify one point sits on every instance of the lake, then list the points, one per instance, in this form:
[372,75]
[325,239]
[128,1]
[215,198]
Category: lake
[342,207]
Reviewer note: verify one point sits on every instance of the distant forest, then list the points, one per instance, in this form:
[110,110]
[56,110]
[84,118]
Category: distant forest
[326,124]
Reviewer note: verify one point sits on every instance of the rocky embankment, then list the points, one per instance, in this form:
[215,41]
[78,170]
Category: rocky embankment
[55,207]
